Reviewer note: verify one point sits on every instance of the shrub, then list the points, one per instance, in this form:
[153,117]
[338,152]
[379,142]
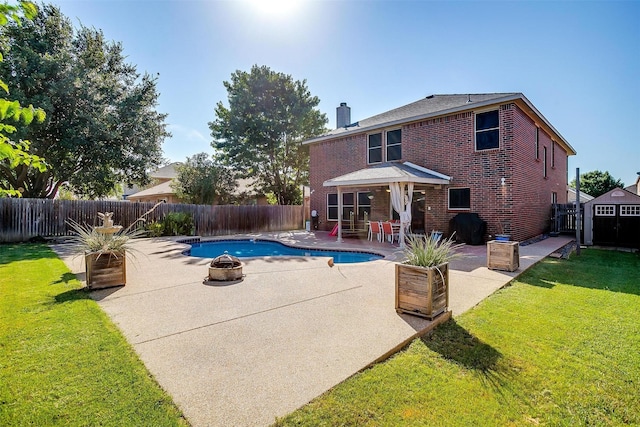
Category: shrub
[155,229]
[178,224]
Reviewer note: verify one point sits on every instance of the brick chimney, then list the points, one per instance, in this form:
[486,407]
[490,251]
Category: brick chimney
[343,115]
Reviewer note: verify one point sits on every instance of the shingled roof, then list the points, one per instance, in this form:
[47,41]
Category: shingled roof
[441,105]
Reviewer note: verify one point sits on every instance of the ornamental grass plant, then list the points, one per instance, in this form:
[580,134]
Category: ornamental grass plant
[430,252]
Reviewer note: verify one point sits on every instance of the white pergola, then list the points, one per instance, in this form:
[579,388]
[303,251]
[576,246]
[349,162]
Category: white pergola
[401,179]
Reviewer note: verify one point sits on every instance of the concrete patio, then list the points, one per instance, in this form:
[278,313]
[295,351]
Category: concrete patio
[246,353]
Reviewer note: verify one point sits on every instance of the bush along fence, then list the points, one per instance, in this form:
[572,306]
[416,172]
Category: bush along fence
[24,219]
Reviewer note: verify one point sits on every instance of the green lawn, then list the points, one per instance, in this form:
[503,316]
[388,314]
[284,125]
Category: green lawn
[560,347]
[62,361]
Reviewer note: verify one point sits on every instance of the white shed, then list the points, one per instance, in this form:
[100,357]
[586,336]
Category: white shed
[613,219]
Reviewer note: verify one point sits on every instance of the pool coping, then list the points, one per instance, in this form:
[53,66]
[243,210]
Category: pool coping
[191,241]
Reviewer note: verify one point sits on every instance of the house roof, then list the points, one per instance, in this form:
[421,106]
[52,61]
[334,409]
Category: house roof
[385,173]
[162,189]
[440,105]
[571,196]
[166,172]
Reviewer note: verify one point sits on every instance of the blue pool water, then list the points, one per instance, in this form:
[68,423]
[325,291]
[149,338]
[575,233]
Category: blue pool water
[262,248]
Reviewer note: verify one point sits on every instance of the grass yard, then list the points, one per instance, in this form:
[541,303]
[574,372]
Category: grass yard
[560,346]
[62,361]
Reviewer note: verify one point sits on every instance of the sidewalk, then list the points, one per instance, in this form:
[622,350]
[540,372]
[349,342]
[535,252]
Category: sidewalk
[247,353]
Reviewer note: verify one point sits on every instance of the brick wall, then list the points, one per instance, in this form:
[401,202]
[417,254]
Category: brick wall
[446,145]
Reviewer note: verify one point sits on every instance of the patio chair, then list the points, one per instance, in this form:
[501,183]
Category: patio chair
[375,228]
[387,231]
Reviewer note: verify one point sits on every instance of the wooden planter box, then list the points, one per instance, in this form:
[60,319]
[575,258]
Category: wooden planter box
[422,291]
[503,255]
[106,270]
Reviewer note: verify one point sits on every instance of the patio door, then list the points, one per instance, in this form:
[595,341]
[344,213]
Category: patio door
[417,212]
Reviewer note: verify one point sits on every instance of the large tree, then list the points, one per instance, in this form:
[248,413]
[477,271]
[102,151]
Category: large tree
[102,127]
[261,131]
[596,183]
[16,153]
[203,181]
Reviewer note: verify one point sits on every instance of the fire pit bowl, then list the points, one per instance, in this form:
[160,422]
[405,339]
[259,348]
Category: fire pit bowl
[225,268]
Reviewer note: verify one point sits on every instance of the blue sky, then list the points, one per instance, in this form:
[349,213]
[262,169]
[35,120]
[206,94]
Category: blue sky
[578,62]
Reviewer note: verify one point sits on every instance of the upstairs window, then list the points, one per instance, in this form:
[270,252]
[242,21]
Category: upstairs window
[394,145]
[374,151]
[544,161]
[487,130]
[553,154]
[537,143]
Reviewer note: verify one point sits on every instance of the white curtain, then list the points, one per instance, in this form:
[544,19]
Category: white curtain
[401,202]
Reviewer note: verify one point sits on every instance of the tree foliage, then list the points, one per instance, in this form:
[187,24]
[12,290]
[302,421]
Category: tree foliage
[596,183]
[102,126]
[261,131]
[16,153]
[203,181]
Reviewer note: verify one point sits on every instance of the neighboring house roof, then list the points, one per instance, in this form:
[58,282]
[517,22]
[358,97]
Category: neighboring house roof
[162,189]
[571,196]
[166,172]
[385,173]
[440,105]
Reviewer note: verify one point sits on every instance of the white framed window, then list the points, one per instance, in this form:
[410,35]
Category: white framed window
[537,143]
[629,210]
[364,204]
[553,154]
[487,130]
[394,145]
[554,197]
[544,162]
[332,207]
[374,148]
[459,198]
[605,210]
[390,150]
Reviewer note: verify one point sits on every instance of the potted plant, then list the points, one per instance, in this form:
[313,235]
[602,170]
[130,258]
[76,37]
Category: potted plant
[105,249]
[422,280]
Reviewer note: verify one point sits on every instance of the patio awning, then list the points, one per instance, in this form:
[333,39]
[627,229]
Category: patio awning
[394,175]
[386,173]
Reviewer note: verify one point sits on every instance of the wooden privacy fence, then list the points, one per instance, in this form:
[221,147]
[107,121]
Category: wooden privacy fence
[23,219]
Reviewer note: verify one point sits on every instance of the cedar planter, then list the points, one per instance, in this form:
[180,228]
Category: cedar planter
[422,291]
[106,269]
[503,255]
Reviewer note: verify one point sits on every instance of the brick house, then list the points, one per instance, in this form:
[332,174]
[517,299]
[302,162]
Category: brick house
[491,154]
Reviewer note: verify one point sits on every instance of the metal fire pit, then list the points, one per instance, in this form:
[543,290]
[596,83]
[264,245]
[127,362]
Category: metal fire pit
[225,268]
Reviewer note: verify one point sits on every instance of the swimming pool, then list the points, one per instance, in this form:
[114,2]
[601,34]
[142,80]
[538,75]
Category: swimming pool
[261,248]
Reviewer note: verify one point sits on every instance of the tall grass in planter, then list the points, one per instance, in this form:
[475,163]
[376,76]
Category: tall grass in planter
[422,280]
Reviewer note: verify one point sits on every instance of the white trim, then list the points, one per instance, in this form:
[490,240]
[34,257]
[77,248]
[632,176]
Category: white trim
[629,210]
[449,199]
[382,153]
[475,128]
[386,144]
[429,171]
[604,210]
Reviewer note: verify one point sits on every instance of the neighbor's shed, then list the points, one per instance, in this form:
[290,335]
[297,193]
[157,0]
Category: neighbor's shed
[613,219]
